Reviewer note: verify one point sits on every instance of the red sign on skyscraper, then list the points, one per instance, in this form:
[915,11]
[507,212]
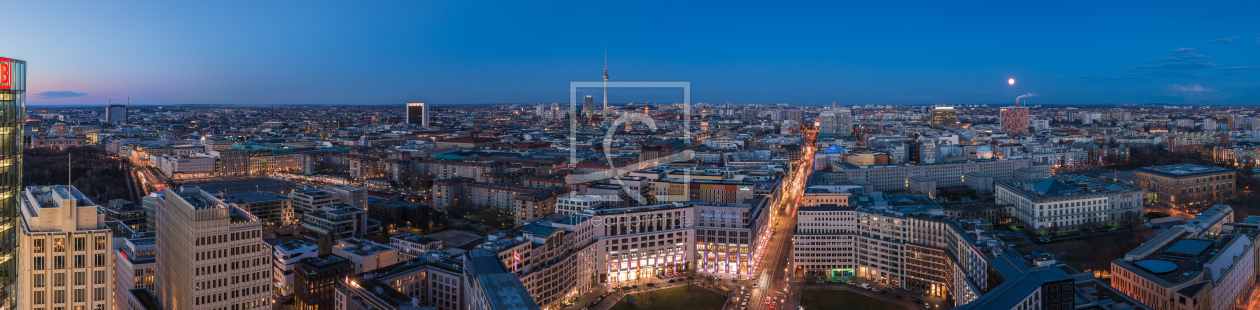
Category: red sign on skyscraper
[6,74]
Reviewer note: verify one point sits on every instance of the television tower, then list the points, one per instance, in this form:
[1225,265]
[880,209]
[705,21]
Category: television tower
[605,111]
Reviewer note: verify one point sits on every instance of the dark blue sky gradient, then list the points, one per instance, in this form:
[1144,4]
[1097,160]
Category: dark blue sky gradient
[938,52]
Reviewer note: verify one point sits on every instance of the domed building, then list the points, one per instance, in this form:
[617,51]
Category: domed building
[984,152]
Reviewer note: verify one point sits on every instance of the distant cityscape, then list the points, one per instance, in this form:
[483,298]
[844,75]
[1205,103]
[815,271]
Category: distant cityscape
[577,206]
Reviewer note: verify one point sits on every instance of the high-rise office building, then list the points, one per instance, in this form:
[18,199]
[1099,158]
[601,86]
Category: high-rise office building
[116,114]
[588,104]
[211,254]
[13,102]
[66,263]
[1015,120]
[944,116]
[418,114]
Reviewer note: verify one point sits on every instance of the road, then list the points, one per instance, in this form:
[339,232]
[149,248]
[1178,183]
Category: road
[773,278]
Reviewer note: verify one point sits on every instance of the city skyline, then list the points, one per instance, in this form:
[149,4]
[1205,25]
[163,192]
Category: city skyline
[457,53]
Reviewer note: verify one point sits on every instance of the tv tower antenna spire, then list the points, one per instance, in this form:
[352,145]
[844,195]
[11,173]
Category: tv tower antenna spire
[605,111]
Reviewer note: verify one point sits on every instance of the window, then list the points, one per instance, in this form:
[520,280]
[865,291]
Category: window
[37,263]
[59,245]
[59,279]
[80,261]
[79,278]
[37,246]
[59,262]
[100,260]
[80,244]
[98,277]
[37,297]
[37,280]
[100,242]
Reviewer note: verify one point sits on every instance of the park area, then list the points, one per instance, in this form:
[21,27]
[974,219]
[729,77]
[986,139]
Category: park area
[842,299]
[675,298]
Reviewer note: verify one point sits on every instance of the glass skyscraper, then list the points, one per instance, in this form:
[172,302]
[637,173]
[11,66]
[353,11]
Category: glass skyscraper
[12,114]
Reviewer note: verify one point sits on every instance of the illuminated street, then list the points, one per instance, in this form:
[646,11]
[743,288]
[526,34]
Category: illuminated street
[769,289]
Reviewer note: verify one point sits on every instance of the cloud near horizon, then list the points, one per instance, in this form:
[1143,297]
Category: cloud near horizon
[1226,40]
[54,94]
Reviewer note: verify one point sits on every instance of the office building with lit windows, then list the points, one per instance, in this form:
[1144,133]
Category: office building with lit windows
[211,255]
[418,114]
[12,116]
[944,116]
[67,262]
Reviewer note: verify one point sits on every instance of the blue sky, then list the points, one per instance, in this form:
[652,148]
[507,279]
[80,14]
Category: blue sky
[455,52]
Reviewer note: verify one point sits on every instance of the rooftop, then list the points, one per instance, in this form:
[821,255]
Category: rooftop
[322,261]
[255,197]
[1066,187]
[1180,260]
[294,246]
[363,247]
[1184,170]
[415,238]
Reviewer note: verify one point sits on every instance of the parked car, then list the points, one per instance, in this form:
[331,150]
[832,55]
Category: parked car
[885,292]
[900,297]
[866,286]
[850,282]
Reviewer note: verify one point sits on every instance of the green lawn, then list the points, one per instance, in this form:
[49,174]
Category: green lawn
[674,298]
[841,299]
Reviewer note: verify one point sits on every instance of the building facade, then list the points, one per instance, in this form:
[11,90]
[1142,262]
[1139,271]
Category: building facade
[68,262]
[1069,204]
[1186,185]
[1014,120]
[13,102]
[211,254]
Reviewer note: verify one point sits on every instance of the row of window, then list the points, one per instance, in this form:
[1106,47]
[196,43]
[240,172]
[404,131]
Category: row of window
[59,279]
[59,244]
[59,296]
[59,262]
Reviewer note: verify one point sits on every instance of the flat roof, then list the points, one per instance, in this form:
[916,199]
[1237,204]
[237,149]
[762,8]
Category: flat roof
[1184,170]
[256,197]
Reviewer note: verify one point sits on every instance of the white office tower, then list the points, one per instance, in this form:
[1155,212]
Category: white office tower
[211,255]
[65,262]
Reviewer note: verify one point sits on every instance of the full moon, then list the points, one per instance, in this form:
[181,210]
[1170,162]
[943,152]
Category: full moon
[1010,81]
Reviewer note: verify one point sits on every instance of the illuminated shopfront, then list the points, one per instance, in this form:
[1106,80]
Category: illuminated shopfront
[646,264]
[723,259]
